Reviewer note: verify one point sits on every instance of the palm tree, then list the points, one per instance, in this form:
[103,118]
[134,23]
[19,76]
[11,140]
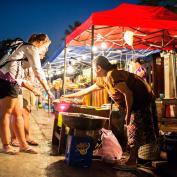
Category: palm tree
[72,27]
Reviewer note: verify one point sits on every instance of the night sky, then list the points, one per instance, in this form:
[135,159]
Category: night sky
[21,18]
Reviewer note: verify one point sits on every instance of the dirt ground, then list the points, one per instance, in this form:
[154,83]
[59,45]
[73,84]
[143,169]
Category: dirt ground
[44,164]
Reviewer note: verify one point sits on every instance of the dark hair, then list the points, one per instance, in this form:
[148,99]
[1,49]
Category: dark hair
[38,38]
[104,63]
[138,61]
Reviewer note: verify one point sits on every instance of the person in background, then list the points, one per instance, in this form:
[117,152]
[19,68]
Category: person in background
[139,69]
[131,94]
[11,80]
[28,95]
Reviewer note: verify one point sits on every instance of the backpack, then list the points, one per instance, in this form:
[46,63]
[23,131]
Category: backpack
[7,48]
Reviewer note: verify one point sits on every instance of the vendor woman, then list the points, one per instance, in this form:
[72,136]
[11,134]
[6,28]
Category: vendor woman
[134,95]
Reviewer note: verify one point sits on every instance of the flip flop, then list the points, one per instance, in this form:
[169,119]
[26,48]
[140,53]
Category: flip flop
[10,151]
[29,150]
[32,142]
[14,143]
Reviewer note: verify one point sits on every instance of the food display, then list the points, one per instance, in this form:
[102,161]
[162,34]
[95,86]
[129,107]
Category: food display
[64,104]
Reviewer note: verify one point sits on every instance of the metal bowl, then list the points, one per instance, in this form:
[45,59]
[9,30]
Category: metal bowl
[83,121]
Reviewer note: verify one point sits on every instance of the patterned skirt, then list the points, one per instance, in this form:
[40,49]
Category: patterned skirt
[143,127]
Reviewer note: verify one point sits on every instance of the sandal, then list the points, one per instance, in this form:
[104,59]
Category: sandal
[14,143]
[29,150]
[32,142]
[9,150]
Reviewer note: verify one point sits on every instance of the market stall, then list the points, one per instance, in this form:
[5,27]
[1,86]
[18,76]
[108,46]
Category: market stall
[122,36]
[143,29]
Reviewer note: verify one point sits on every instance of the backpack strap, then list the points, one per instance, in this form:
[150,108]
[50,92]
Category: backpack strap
[25,43]
[23,59]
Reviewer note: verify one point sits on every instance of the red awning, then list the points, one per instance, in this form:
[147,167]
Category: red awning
[152,26]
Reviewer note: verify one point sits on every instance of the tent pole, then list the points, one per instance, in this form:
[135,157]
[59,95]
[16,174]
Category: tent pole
[92,57]
[64,73]
[174,74]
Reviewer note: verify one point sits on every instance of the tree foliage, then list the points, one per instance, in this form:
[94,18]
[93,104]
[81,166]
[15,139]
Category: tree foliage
[72,27]
[170,4]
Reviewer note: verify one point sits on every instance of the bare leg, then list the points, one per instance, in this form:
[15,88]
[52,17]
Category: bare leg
[11,128]
[7,106]
[14,141]
[18,127]
[18,124]
[26,118]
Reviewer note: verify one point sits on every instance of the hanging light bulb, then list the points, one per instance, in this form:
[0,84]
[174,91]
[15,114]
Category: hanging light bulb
[128,37]
[103,45]
[94,49]
[84,57]
[70,69]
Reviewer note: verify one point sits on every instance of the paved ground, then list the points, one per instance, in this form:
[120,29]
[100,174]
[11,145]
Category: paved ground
[45,165]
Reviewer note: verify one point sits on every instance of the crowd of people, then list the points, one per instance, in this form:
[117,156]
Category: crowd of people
[12,79]
[129,91]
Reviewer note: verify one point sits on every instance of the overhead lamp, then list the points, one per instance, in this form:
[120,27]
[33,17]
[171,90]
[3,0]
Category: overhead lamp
[103,45]
[94,49]
[84,57]
[128,37]
[70,69]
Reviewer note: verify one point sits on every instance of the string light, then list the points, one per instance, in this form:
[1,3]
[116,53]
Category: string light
[128,37]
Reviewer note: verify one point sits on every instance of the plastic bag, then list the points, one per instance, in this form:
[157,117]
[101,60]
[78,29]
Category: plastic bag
[109,148]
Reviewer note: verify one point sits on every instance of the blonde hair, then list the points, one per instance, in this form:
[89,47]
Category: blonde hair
[38,38]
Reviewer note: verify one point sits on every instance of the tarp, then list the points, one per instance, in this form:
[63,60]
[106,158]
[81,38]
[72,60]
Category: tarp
[152,26]
[80,58]
[83,53]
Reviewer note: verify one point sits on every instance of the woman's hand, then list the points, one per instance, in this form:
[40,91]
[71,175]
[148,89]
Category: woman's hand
[50,95]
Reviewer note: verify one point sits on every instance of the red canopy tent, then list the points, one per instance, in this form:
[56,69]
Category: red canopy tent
[147,27]
[152,27]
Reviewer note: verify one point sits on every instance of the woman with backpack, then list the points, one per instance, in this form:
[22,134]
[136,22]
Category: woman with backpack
[11,81]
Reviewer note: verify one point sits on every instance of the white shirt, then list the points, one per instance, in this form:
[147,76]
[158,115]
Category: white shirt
[14,70]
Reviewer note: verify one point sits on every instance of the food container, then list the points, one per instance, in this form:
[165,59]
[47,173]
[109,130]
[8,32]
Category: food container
[83,121]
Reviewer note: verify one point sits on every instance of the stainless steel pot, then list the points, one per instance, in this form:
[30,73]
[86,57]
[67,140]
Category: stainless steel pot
[83,121]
